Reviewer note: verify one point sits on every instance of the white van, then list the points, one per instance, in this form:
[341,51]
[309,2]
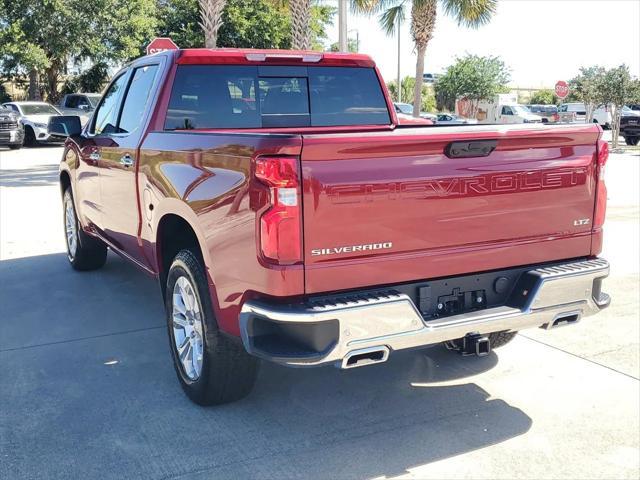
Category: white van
[503,108]
[577,113]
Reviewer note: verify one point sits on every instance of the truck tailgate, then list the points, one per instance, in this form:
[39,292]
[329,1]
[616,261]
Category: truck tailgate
[389,207]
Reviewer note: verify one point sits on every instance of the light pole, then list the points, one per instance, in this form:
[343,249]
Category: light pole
[399,84]
[342,26]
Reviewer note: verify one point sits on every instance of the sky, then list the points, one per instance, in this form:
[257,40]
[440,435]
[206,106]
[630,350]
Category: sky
[542,41]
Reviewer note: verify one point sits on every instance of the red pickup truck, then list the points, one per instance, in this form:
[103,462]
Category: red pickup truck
[290,217]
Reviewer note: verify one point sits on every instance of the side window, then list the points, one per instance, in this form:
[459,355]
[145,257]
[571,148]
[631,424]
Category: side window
[137,98]
[13,107]
[106,115]
[506,111]
[563,108]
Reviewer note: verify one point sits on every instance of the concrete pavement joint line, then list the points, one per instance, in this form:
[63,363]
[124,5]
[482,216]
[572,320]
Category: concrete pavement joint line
[81,339]
[579,356]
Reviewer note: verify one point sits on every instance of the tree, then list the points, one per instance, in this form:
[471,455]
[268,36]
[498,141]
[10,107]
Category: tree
[616,89]
[211,20]
[245,24]
[468,13]
[587,88]
[300,19]
[546,96]
[352,46]
[475,78]
[91,80]
[427,100]
[40,39]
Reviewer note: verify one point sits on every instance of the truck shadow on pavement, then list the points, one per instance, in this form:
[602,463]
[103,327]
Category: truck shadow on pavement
[88,391]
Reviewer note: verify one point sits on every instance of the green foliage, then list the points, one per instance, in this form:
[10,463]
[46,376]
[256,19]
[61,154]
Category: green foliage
[254,24]
[407,84]
[179,19]
[245,24]
[352,46]
[545,96]
[586,86]
[91,80]
[472,77]
[470,13]
[617,88]
[56,32]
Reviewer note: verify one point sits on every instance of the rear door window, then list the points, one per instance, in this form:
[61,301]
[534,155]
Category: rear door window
[222,96]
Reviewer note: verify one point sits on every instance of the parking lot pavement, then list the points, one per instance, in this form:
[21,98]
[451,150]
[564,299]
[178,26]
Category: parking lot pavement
[87,389]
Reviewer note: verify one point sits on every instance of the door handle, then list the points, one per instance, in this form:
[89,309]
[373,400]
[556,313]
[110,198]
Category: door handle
[126,160]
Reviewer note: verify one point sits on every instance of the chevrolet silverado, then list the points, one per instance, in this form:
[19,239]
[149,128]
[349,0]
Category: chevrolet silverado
[289,216]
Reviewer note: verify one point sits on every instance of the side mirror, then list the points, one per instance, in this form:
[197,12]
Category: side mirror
[64,126]
[84,107]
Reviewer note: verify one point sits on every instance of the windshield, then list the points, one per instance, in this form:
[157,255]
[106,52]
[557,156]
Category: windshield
[38,109]
[405,108]
[520,110]
[93,100]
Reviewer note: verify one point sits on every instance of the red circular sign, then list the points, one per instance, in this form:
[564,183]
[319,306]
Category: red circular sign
[562,89]
[160,44]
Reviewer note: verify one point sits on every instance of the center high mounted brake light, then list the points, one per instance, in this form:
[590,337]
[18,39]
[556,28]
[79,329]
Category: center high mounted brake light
[305,57]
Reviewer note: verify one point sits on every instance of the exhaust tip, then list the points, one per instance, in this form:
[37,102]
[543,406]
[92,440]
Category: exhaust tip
[365,356]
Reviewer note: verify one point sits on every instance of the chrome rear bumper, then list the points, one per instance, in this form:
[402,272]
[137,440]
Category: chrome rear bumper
[551,296]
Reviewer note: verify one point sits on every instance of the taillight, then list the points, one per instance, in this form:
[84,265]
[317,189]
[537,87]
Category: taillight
[601,190]
[280,223]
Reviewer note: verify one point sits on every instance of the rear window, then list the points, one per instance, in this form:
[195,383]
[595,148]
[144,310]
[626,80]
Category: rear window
[223,96]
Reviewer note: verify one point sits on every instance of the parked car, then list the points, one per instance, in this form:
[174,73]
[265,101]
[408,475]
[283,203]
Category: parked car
[452,119]
[407,109]
[430,77]
[548,113]
[81,104]
[11,130]
[306,229]
[630,126]
[577,113]
[35,116]
[404,119]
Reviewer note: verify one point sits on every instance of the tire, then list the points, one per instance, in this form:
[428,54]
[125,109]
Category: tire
[83,251]
[225,372]
[499,339]
[29,137]
[632,141]
[15,146]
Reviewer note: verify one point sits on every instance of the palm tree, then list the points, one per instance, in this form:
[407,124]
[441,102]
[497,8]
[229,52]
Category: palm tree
[468,13]
[300,18]
[211,16]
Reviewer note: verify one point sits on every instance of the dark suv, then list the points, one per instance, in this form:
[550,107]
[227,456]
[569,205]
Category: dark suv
[630,125]
[11,130]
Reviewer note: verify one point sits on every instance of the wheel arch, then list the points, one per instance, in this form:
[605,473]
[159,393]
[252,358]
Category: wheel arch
[65,181]
[174,232]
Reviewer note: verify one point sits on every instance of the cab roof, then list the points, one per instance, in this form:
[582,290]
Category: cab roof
[248,56]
